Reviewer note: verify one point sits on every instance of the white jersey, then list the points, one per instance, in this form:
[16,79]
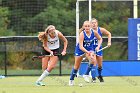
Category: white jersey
[53,43]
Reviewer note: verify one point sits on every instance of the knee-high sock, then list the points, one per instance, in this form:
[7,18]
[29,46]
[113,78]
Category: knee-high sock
[93,72]
[73,74]
[44,74]
[88,69]
[100,71]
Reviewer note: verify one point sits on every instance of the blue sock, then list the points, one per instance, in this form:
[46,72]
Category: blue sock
[93,72]
[88,69]
[100,71]
[73,74]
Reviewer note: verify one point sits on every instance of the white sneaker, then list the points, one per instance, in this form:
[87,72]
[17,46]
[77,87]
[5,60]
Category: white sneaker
[86,78]
[93,80]
[71,82]
[39,83]
[1,76]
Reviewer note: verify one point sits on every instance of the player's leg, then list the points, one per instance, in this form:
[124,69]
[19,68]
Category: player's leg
[52,63]
[43,75]
[99,61]
[45,61]
[92,62]
[93,71]
[78,60]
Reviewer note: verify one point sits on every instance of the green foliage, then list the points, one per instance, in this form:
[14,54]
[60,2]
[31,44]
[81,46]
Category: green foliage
[2,57]
[4,31]
[111,15]
[138,9]
[22,60]
[33,16]
[116,52]
[58,15]
[28,17]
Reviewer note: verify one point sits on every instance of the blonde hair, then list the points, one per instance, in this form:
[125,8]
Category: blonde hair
[42,36]
[94,19]
[86,22]
[48,28]
[82,28]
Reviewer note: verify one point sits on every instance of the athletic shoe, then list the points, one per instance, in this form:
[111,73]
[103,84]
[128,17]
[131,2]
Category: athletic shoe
[86,78]
[1,76]
[93,80]
[71,82]
[39,84]
[100,78]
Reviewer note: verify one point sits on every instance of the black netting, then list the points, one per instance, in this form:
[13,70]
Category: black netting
[17,52]
[21,20]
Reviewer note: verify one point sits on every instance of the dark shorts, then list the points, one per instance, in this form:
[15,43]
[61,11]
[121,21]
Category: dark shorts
[44,52]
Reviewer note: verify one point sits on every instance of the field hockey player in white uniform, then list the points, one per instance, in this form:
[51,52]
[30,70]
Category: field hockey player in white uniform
[50,39]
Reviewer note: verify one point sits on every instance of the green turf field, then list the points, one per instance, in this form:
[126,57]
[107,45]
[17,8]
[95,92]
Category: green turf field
[59,84]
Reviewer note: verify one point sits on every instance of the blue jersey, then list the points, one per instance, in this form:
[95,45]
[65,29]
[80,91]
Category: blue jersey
[87,44]
[95,44]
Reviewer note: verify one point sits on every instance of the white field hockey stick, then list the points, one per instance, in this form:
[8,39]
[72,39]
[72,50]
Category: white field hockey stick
[42,56]
[98,51]
[101,49]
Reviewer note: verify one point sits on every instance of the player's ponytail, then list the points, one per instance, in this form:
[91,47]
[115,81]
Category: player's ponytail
[81,29]
[42,36]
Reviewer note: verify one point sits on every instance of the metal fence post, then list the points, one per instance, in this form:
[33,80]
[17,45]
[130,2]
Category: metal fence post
[5,60]
[60,66]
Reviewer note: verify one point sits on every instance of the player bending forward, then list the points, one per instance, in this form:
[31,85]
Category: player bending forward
[50,39]
[84,47]
[99,56]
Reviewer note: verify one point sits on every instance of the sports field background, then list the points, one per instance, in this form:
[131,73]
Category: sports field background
[20,22]
[59,84]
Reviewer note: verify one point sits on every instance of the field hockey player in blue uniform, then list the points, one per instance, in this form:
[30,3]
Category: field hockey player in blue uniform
[99,56]
[84,47]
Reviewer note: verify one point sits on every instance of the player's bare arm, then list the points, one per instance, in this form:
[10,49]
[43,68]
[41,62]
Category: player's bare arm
[108,34]
[61,36]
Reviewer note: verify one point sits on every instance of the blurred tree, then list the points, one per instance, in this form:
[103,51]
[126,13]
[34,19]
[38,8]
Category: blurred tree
[138,9]
[21,13]
[30,16]
[4,13]
[111,15]
[60,13]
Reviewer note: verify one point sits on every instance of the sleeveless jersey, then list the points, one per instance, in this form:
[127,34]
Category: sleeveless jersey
[53,43]
[87,44]
[95,44]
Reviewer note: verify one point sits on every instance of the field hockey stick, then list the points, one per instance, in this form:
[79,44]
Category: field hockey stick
[101,49]
[98,51]
[42,56]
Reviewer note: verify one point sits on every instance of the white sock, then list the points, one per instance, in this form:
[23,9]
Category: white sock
[44,74]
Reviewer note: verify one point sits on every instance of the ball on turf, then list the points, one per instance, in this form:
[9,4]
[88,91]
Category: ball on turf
[80,84]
